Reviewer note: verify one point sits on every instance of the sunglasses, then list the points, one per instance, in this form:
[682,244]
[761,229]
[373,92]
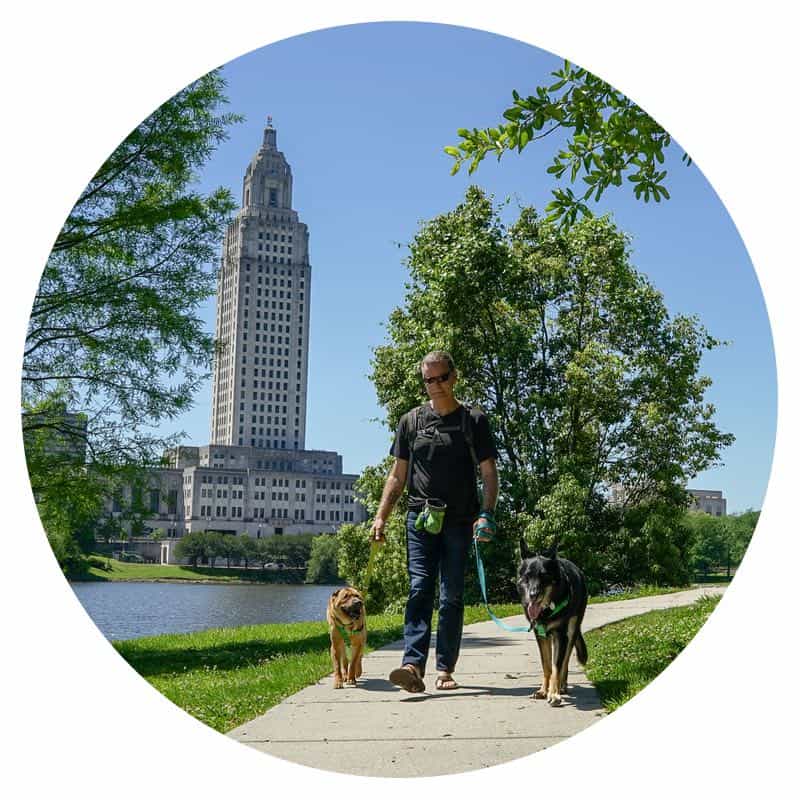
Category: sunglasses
[437,379]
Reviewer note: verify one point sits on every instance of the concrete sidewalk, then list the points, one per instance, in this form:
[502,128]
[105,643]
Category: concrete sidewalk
[378,730]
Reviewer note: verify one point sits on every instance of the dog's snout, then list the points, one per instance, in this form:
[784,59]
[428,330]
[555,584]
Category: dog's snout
[532,590]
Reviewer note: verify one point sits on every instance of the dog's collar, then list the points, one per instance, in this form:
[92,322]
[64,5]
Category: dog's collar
[541,627]
[345,632]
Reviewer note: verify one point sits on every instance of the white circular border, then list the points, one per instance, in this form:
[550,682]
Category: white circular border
[719,77]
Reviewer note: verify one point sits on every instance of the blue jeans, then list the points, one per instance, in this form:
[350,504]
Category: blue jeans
[429,555]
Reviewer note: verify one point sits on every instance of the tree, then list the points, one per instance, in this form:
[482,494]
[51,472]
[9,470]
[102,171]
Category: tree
[607,136]
[270,549]
[249,550]
[192,546]
[231,547]
[709,541]
[322,566]
[114,328]
[720,541]
[743,527]
[587,380]
[214,547]
[297,549]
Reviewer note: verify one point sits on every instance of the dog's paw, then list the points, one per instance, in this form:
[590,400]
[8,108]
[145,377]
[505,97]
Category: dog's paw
[539,694]
[350,682]
[554,699]
[337,683]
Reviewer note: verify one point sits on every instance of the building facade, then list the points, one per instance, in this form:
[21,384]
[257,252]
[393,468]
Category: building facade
[709,500]
[255,477]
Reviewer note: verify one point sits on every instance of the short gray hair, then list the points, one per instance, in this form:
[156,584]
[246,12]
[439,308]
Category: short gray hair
[438,357]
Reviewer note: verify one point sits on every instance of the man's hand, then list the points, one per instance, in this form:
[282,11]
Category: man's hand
[376,532]
[488,531]
[391,491]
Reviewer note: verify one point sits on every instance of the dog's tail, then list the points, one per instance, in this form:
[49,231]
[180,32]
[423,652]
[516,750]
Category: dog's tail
[580,649]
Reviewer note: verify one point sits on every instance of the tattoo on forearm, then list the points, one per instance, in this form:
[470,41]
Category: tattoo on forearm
[489,481]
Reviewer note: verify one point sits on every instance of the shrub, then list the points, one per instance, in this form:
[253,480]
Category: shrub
[322,566]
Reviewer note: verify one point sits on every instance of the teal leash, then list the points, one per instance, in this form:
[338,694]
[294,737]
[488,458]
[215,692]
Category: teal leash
[482,582]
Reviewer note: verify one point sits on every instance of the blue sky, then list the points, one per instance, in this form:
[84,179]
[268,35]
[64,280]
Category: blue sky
[362,114]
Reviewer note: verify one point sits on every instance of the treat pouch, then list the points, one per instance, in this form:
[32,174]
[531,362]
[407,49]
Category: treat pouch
[431,518]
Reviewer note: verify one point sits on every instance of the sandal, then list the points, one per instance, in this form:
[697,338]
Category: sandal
[446,678]
[407,677]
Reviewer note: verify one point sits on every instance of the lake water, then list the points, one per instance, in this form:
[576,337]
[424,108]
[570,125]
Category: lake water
[123,610]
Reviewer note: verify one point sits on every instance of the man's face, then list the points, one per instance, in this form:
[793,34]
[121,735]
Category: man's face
[439,390]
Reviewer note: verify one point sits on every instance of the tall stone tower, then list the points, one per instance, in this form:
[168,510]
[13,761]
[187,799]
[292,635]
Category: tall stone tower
[256,477]
[260,377]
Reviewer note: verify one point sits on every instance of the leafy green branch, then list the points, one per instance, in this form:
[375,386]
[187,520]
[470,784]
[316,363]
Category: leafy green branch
[608,138]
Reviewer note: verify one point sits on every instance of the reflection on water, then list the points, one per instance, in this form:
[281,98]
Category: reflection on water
[131,610]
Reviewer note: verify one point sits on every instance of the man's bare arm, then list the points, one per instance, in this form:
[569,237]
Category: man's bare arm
[490,483]
[392,490]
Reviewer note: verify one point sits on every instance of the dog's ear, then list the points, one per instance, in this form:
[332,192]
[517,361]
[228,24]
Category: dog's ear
[524,550]
[336,592]
[552,551]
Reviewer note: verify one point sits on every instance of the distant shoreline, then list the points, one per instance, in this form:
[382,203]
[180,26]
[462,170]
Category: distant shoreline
[102,569]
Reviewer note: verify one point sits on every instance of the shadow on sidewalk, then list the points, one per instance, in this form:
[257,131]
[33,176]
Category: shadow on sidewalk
[583,698]
[375,685]
[471,641]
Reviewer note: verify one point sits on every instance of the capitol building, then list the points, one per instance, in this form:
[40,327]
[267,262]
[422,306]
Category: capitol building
[256,477]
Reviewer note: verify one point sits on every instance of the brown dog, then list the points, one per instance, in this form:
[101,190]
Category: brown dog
[346,619]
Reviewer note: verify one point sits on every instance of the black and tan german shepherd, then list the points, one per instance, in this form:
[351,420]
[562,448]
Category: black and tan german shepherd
[553,593]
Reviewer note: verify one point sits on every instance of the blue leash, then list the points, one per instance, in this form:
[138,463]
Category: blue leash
[482,581]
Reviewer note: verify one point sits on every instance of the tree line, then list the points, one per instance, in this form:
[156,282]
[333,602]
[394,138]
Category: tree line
[315,554]
[208,547]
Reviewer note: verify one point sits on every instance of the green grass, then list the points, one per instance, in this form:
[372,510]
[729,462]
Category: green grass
[625,656]
[129,571]
[227,676]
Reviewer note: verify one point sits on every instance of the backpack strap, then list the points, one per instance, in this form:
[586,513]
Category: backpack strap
[413,420]
[467,419]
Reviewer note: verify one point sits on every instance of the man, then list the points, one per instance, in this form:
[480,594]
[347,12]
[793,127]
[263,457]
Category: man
[436,448]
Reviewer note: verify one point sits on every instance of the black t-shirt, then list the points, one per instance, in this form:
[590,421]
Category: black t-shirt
[442,467]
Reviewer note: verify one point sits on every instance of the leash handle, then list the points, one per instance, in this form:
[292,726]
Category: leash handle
[482,582]
[373,548]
